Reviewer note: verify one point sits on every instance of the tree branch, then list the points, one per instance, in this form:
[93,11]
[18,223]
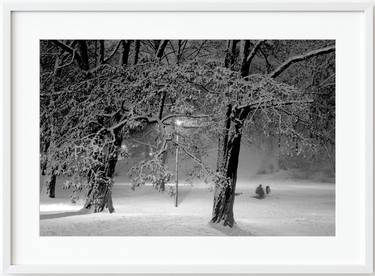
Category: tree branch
[253,52]
[299,58]
[272,103]
[113,52]
[70,50]
[137,118]
[160,50]
[152,120]
[63,46]
[197,160]
[269,66]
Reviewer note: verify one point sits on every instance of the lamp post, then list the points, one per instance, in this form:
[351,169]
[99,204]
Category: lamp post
[178,123]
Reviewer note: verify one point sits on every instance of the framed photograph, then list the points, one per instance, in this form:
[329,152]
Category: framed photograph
[156,137]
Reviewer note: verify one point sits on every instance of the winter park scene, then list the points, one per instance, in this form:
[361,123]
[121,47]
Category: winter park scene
[187,138]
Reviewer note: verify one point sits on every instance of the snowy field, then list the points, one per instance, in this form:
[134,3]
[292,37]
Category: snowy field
[294,208]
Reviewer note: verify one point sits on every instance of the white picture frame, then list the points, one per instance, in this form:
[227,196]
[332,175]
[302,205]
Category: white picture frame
[365,9]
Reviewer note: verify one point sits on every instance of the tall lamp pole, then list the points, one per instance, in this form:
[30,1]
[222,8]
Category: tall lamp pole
[178,123]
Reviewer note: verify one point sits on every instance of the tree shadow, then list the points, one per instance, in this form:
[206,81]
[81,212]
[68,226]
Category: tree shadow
[230,231]
[83,211]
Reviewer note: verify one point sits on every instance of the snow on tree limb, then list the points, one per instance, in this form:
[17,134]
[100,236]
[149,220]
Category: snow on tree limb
[299,58]
[113,52]
[273,103]
[70,50]
[161,48]
[63,46]
[254,51]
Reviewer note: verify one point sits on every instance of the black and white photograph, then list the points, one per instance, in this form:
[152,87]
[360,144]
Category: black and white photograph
[187,137]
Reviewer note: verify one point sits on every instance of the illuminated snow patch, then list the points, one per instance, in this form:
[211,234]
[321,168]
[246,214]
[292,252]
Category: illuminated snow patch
[59,207]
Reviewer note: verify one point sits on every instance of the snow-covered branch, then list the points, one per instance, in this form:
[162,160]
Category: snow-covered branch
[272,103]
[299,58]
[113,52]
[70,50]
[254,51]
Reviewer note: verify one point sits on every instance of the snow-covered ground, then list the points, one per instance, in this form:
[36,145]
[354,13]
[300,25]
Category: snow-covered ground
[294,208]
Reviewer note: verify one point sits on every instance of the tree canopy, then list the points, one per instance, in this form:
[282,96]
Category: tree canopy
[93,108]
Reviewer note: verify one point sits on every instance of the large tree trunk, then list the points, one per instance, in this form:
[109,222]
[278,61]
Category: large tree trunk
[227,165]
[231,54]
[44,157]
[101,51]
[161,48]
[125,52]
[223,138]
[83,51]
[248,56]
[51,184]
[137,46]
[179,52]
[100,193]
[245,65]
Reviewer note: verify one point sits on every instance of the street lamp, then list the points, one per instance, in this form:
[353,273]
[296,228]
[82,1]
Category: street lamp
[178,123]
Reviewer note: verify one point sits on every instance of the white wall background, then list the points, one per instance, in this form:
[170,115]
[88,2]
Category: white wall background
[65,26]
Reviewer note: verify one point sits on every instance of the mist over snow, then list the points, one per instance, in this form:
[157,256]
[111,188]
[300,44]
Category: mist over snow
[297,206]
